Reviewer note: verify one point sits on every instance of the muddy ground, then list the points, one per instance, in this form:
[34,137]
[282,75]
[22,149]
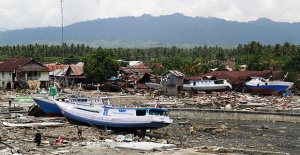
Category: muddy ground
[263,136]
[248,135]
[252,135]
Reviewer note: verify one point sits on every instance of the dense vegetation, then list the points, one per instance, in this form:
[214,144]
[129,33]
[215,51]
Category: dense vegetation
[101,63]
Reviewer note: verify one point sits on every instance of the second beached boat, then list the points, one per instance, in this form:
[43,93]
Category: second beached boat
[259,85]
[207,85]
[52,110]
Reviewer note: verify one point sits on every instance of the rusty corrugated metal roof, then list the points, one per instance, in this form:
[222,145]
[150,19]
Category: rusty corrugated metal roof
[141,68]
[54,66]
[13,64]
[27,69]
[77,69]
[17,64]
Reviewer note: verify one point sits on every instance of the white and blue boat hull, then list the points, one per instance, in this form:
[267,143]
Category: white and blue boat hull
[269,89]
[259,85]
[116,118]
[48,106]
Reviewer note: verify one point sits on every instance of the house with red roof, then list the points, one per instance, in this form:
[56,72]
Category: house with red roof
[66,75]
[23,73]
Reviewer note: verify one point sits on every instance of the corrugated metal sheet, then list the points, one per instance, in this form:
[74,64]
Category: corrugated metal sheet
[22,65]
[54,66]
[134,63]
[55,72]
[175,72]
[28,69]
[77,69]
[13,64]
[60,72]
[141,68]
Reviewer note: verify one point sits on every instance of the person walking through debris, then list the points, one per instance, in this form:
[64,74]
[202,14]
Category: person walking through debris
[191,129]
[38,138]
[192,132]
[79,132]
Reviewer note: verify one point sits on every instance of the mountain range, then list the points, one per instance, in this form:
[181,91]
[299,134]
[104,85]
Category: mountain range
[149,31]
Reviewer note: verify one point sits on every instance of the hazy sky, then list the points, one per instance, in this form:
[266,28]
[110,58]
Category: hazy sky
[18,14]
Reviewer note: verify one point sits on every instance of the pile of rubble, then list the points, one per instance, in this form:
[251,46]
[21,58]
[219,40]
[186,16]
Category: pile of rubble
[210,137]
[228,100]
[233,101]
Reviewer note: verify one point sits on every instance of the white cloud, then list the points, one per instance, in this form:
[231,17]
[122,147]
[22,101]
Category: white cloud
[16,14]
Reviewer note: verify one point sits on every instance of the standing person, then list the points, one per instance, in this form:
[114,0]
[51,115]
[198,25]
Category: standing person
[9,102]
[192,132]
[191,129]
[79,132]
[38,138]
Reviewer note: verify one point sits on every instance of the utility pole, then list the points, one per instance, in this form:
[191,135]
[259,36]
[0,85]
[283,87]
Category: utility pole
[62,30]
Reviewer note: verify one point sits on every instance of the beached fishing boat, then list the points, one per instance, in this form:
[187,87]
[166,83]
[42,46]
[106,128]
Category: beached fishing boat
[116,118]
[52,110]
[260,85]
[207,85]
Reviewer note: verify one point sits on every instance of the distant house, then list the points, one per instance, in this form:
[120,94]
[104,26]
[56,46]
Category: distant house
[74,74]
[66,75]
[133,73]
[137,70]
[23,73]
[172,82]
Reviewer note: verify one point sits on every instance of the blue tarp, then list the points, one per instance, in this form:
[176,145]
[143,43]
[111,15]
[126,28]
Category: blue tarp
[286,93]
[113,79]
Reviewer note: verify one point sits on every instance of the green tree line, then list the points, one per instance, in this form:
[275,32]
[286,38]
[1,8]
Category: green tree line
[101,63]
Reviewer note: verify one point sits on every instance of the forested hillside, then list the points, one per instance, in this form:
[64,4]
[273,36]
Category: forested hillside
[163,31]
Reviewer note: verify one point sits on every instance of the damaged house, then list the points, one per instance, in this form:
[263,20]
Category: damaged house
[172,82]
[131,75]
[66,75]
[23,73]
